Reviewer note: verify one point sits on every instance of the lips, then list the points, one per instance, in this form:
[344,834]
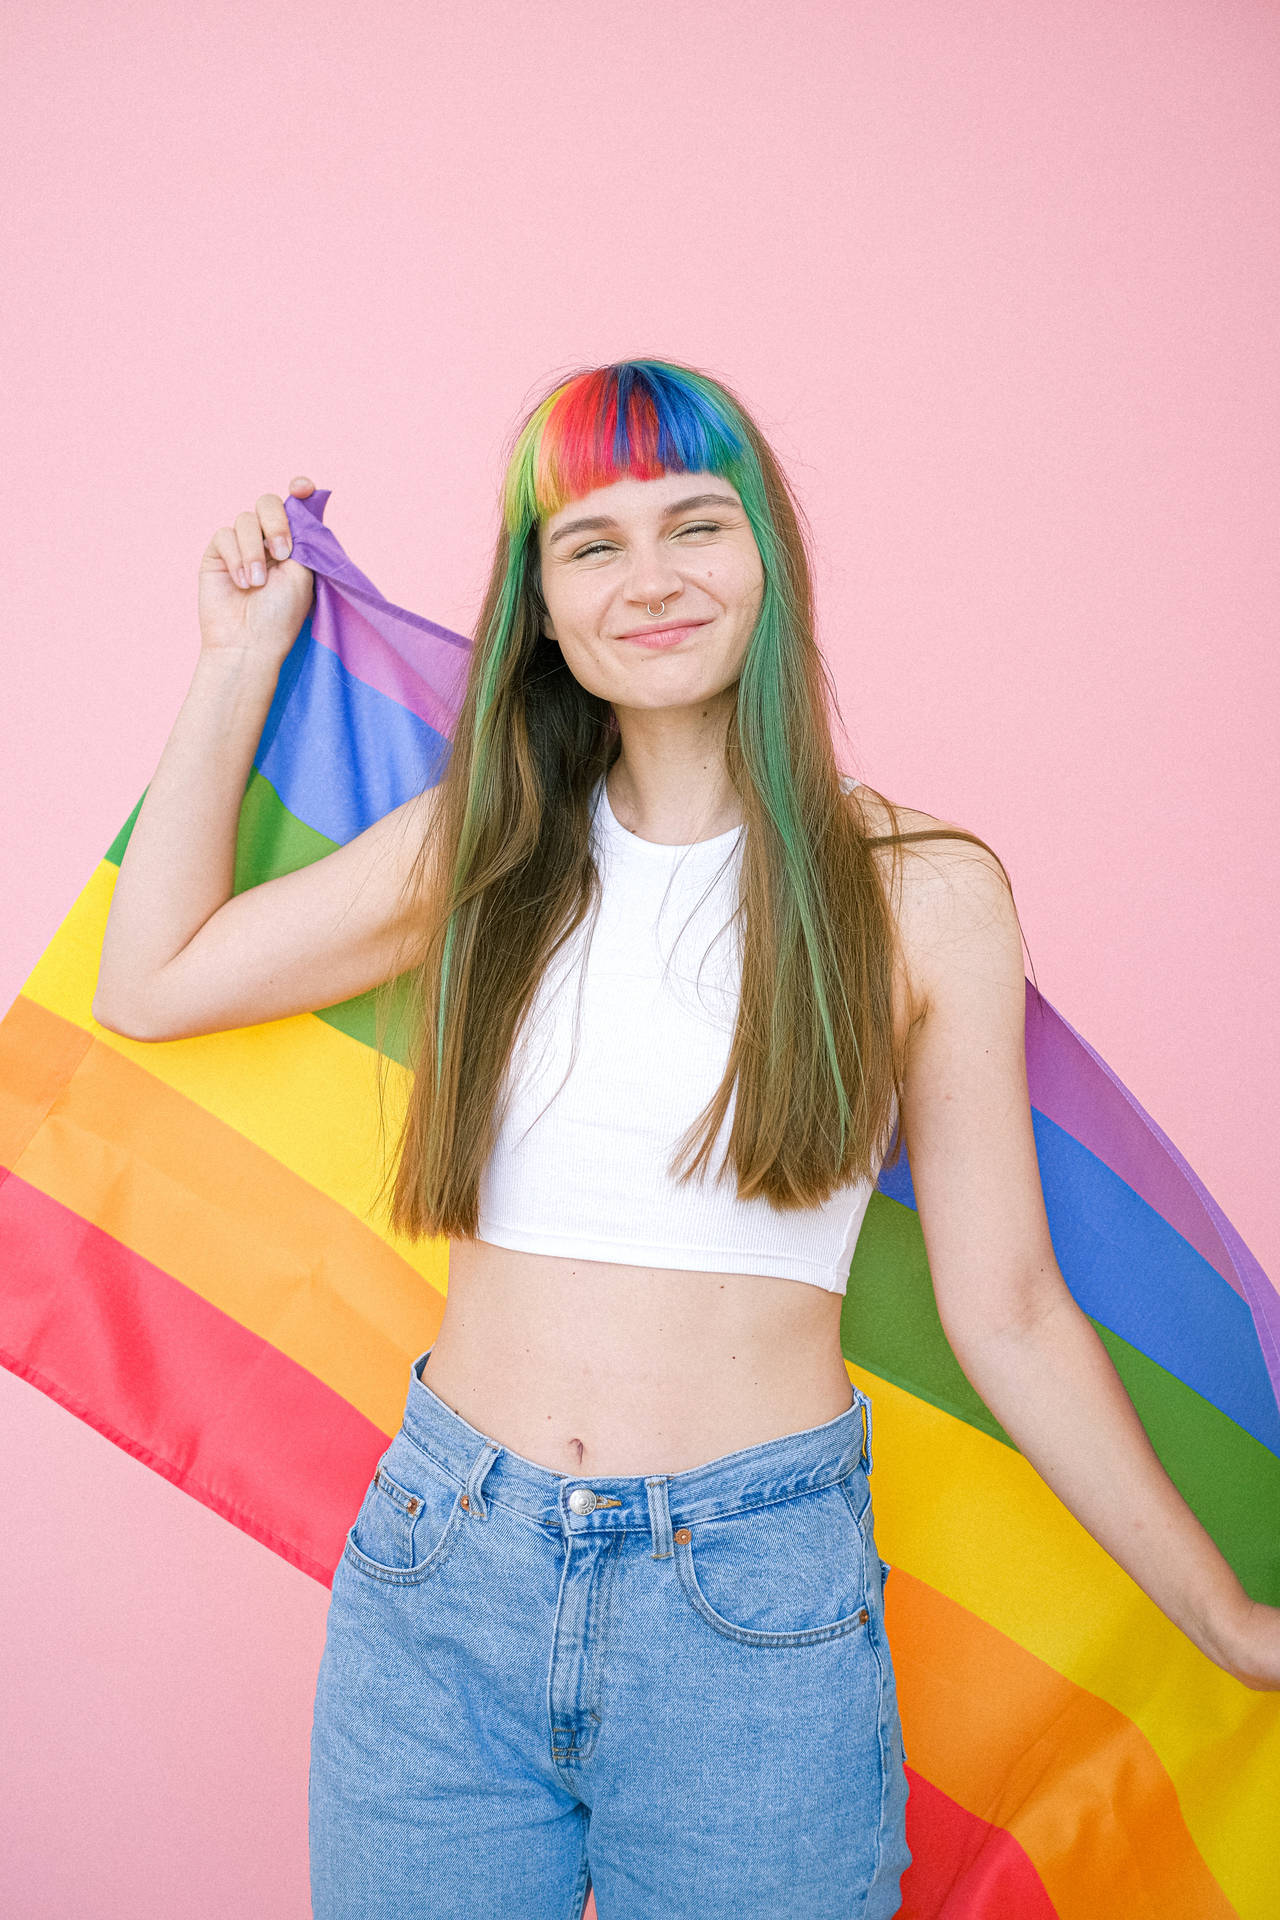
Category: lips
[666,636]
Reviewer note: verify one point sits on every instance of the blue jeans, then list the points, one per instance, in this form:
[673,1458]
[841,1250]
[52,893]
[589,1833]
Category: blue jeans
[673,1688]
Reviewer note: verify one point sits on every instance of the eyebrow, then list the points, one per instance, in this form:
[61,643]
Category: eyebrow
[599,520]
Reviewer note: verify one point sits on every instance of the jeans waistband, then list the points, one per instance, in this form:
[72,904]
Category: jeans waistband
[793,1463]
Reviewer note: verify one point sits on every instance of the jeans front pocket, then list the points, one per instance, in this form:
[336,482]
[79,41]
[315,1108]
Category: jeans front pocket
[786,1573]
[409,1520]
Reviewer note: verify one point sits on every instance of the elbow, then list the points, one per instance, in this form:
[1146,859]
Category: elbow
[1013,1313]
[126,1021]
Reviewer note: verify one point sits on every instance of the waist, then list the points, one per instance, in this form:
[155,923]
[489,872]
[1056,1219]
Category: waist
[585,1365]
[813,1456]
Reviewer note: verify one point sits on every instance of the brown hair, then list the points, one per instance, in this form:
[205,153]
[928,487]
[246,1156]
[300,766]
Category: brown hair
[505,876]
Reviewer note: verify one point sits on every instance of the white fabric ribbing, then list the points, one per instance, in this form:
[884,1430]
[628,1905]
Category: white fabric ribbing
[580,1164]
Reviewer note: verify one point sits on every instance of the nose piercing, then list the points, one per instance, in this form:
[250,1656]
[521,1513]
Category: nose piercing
[662,607]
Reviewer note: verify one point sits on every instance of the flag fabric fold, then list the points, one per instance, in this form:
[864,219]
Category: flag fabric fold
[192,1264]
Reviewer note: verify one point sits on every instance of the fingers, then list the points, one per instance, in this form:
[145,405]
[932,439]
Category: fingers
[243,548]
[225,545]
[274,522]
[253,560]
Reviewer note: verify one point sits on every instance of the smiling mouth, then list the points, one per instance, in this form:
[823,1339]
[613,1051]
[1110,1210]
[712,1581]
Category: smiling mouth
[667,636]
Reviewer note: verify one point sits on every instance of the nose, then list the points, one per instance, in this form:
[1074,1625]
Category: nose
[653,580]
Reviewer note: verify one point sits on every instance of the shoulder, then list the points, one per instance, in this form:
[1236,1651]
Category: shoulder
[956,916]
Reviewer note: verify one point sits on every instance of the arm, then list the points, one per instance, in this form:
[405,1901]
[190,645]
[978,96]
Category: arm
[178,867]
[304,940]
[1019,1336]
[181,954]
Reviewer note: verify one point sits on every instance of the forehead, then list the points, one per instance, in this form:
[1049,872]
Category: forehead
[638,501]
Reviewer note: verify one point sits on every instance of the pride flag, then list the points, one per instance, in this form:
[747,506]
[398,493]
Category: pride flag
[190,1264]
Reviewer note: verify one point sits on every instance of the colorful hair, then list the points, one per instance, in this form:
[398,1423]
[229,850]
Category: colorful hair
[638,418]
[634,419]
[813,1058]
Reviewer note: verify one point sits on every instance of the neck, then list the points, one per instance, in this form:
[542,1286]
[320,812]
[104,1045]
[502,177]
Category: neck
[670,783]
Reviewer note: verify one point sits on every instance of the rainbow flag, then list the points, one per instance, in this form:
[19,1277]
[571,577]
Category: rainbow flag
[190,1265]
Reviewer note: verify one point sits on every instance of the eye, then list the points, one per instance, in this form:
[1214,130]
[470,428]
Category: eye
[601,546]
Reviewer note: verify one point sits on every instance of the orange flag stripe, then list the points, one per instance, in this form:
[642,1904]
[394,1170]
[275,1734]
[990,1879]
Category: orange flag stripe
[1087,1798]
[215,1211]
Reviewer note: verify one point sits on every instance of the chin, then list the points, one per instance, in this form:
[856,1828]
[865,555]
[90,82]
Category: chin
[667,683]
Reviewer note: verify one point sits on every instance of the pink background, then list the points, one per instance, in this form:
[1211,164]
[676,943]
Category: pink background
[999,280]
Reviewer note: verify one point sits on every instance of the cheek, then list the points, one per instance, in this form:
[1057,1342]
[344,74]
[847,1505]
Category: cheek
[578,605]
[742,583]
[588,669]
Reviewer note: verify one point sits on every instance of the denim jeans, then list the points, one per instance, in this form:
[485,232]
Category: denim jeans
[673,1688]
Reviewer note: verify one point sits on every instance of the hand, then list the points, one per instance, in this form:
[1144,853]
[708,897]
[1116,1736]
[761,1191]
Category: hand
[236,612]
[1249,1648]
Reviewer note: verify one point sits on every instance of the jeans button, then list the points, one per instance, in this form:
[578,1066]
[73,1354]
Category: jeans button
[581,1500]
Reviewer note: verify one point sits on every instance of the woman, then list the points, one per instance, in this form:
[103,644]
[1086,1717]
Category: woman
[612,1610]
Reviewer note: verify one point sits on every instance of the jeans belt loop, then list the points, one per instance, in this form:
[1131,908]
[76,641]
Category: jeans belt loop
[480,1466]
[660,1517]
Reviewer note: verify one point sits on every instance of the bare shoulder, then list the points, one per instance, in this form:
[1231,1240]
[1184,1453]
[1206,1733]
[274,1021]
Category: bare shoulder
[950,897]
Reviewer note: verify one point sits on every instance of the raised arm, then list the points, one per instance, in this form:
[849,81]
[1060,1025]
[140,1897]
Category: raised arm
[304,940]
[1019,1336]
[181,954]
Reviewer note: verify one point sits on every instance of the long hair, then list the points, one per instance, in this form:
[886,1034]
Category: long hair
[505,874]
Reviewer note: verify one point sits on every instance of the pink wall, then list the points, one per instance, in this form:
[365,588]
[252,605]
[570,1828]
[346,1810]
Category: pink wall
[1001,282]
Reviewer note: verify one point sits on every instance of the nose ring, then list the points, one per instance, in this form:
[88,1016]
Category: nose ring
[662,607]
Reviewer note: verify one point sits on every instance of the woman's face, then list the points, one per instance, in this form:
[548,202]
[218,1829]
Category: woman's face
[681,542]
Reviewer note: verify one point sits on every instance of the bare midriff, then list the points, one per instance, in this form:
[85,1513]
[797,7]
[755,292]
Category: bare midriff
[587,1366]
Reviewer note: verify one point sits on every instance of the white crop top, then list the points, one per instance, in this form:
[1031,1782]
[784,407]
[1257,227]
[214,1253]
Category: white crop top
[580,1163]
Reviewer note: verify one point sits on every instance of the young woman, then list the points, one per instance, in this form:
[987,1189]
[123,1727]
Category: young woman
[611,1610]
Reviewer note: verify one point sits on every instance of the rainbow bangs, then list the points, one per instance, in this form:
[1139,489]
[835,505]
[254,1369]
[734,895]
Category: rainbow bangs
[635,419]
